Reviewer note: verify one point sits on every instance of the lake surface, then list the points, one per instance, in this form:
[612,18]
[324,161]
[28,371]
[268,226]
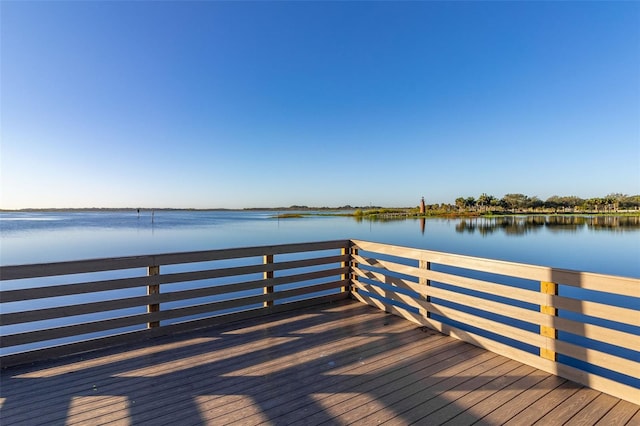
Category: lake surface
[608,245]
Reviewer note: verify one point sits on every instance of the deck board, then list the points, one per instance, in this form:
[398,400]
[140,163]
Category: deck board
[621,413]
[342,363]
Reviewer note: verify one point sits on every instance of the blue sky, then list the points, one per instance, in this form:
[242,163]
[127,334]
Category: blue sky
[242,104]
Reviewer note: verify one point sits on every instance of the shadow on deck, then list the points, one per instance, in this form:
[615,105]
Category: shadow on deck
[340,363]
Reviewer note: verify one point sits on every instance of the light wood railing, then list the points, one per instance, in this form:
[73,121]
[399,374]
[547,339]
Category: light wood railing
[580,326]
[72,310]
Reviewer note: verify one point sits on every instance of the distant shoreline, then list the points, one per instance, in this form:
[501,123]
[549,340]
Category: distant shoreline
[135,209]
[107,209]
[369,213]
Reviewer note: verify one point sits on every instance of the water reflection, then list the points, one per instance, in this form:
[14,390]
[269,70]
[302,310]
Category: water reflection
[522,225]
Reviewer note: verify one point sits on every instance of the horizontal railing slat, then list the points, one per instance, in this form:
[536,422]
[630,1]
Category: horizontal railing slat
[125,283]
[13,272]
[138,319]
[591,331]
[61,290]
[594,332]
[75,329]
[174,296]
[589,281]
[73,310]
[595,309]
[510,311]
[505,330]
[241,301]
[246,270]
[504,290]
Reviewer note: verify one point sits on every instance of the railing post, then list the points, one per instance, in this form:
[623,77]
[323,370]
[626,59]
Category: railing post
[153,289]
[353,251]
[423,264]
[347,263]
[546,331]
[267,259]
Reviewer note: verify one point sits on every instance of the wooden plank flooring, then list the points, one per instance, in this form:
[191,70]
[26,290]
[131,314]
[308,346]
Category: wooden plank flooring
[338,364]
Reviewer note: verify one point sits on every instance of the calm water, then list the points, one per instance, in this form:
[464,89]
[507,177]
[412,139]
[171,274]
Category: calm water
[608,245]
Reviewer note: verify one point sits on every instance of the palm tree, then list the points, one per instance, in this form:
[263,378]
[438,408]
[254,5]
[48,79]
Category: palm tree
[484,201]
[470,202]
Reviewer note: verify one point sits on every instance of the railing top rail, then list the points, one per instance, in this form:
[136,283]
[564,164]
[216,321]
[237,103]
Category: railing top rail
[13,272]
[627,286]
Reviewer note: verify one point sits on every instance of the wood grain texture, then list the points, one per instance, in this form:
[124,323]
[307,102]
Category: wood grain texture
[618,285]
[13,272]
[337,363]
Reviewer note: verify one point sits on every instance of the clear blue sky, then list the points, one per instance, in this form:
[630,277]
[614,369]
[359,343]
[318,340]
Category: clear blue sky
[241,104]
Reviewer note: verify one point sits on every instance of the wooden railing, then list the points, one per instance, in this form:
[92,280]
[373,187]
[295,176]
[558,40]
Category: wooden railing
[580,326]
[76,310]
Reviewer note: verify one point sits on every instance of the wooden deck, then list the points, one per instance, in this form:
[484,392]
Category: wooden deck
[340,363]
